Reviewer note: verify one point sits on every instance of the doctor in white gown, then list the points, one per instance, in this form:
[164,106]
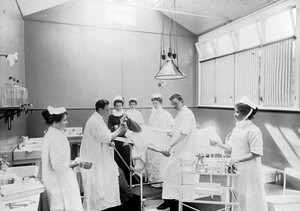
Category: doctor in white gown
[58,176]
[246,147]
[183,141]
[101,184]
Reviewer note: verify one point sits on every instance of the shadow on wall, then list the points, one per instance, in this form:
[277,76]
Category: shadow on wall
[287,141]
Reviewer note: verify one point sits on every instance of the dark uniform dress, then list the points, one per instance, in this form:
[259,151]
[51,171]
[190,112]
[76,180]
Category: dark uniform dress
[123,150]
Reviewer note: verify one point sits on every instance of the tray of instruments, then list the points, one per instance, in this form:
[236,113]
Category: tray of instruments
[215,166]
[225,196]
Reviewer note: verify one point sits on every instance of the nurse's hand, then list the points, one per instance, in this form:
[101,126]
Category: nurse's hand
[233,161]
[213,142]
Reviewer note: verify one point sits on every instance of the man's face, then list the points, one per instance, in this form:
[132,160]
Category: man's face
[176,104]
[104,111]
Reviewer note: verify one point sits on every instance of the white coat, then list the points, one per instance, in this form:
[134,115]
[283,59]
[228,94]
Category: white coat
[58,178]
[135,115]
[246,138]
[101,184]
[161,119]
[185,123]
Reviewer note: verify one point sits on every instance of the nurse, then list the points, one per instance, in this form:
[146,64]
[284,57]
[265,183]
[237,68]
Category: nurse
[133,113]
[113,124]
[163,120]
[101,183]
[246,147]
[58,176]
[183,142]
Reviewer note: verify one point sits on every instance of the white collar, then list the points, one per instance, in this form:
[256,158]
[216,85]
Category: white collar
[118,113]
[243,123]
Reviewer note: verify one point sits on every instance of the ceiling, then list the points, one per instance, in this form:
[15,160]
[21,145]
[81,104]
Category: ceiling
[198,16]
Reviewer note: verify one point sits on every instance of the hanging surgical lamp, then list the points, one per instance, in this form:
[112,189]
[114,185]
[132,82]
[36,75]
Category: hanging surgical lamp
[169,67]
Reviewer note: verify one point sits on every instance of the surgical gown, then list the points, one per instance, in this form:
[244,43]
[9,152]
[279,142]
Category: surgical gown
[101,184]
[185,123]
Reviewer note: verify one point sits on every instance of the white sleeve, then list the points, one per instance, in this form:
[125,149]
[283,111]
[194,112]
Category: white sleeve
[255,142]
[59,157]
[170,120]
[186,126]
[101,134]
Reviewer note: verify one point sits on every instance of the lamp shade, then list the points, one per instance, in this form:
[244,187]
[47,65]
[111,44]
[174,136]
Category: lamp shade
[169,71]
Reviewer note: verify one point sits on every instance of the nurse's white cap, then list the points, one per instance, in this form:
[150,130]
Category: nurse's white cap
[119,97]
[56,111]
[245,100]
[157,95]
[133,99]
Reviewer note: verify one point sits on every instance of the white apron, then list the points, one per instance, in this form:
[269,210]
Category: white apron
[157,162]
[185,123]
[246,138]
[101,184]
[58,178]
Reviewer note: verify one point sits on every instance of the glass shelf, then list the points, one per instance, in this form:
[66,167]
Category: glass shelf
[8,113]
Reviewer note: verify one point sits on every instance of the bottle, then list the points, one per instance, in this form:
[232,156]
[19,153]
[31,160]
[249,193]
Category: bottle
[25,95]
[8,95]
[14,93]
[19,97]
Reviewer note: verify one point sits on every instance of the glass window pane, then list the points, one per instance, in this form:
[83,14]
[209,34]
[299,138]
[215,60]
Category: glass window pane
[278,27]
[247,37]
[224,45]
[206,50]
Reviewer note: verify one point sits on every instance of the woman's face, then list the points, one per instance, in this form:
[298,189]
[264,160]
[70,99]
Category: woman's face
[238,115]
[118,106]
[132,105]
[63,123]
[156,104]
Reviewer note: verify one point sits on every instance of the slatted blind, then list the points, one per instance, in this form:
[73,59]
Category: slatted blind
[207,84]
[247,75]
[225,80]
[277,81]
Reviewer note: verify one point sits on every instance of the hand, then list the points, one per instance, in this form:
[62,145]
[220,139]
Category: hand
[73,164]
[166,153]
[111,144]
[170,134]
[233,161]
[123,120]
[213,142]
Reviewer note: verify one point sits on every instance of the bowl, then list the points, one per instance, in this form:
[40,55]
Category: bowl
[86,165]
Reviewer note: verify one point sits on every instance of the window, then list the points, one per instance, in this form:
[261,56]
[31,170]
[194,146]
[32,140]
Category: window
[205,50]
[259,65]
[207,84]
[224,45]
[277,81]
[278,26]
[247,37]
